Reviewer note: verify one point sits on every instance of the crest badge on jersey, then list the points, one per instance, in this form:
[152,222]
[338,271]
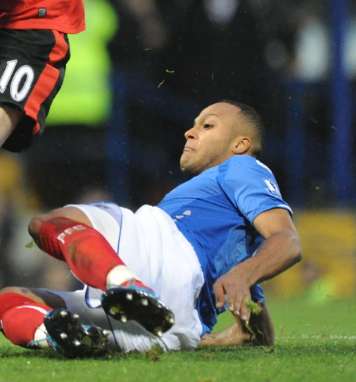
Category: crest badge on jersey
[272,187]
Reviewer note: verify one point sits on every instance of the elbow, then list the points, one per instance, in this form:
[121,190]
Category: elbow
[297,258]
[296,251]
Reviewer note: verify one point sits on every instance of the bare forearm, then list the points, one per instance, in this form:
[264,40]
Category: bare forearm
[279,252]
[258,332]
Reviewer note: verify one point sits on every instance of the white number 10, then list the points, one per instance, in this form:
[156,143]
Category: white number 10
[24,75]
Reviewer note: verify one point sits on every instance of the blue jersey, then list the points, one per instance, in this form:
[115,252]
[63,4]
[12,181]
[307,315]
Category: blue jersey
[215,211]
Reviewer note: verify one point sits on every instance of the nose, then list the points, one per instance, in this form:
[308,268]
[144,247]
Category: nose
[190,134]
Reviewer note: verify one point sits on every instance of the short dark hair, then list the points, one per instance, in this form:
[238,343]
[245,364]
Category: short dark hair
[254,118]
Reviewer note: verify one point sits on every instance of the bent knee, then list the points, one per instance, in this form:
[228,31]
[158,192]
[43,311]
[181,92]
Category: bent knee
[35,225]
[72,213]
[36,222]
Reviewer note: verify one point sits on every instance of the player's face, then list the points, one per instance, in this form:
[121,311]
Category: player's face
[210,141]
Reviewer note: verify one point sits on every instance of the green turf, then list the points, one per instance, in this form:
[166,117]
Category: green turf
[314,343]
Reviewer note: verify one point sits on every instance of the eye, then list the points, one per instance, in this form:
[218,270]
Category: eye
[208,125]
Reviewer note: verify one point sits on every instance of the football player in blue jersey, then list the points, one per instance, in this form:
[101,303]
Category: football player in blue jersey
[161,275]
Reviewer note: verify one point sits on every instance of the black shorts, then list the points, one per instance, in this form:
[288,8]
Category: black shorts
[32,66]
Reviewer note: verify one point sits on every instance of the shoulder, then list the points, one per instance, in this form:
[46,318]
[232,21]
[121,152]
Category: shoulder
[244,172]
[244,164]
[251,186]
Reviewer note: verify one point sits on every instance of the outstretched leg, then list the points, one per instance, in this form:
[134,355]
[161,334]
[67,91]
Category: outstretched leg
[9,117]
[68,336]
[38,319]
[22,313]
[67,235]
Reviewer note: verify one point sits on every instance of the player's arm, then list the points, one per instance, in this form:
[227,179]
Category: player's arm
[279,251]
[259,331]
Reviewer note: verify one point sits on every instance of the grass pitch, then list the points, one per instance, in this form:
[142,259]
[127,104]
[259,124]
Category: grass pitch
[314,343]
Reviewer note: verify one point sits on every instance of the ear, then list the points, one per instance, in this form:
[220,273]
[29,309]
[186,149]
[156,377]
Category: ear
[241,145]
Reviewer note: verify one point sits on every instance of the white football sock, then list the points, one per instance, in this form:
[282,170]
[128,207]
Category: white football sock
[118,275]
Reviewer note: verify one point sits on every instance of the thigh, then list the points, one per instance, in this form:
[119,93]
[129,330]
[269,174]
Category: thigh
[154,249]
[32,65]
[42,296]
[104,217]
[75,302]
[173,271]
[9,117]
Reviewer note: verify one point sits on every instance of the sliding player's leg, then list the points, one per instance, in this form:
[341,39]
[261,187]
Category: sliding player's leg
[21,314]
[69,235]
[161,258]
[38,318]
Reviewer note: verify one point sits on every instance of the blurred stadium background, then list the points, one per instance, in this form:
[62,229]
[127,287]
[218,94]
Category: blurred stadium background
[136,80]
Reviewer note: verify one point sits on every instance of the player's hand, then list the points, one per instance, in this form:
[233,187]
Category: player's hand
[235,335]
[232,289]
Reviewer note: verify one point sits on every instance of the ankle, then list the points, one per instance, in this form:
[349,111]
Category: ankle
[40,338]
[120,275]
